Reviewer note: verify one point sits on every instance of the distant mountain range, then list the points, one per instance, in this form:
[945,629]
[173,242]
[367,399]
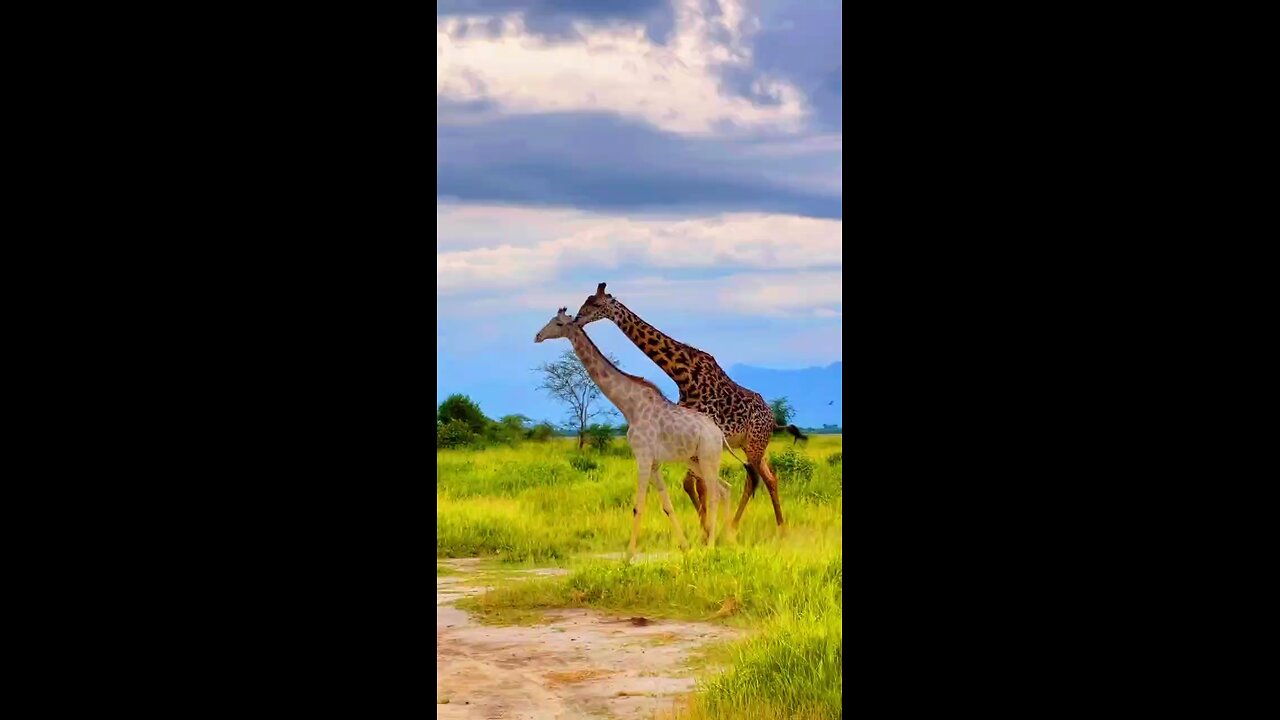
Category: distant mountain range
[814,392]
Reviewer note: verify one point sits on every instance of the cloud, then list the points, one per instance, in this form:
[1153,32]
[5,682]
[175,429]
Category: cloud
[798,294]
[810,293]
[581,104]
[801,41]
[719,243]
[748,295]
[617,68]
[600,162]
[556,19]
[462,226]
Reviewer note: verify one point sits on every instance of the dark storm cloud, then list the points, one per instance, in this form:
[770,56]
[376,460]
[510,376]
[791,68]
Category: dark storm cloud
[600,162]
[800,40]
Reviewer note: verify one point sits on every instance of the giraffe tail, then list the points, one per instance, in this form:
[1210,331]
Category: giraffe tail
[795,432]
[735,457]
[753,480]
[734,454]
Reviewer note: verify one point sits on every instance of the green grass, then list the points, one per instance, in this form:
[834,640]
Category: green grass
[489,612]
[529,506]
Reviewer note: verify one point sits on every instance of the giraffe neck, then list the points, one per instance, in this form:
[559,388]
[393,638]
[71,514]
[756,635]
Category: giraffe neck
[672,356]
[616,385]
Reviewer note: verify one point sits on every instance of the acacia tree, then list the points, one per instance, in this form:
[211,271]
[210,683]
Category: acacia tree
[782,410]
[567,380]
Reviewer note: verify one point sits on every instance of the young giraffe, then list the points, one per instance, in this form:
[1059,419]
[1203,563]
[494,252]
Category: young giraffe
[659,431]
[743,415]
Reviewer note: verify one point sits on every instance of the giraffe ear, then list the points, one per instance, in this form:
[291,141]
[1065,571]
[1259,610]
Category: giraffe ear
[600,290]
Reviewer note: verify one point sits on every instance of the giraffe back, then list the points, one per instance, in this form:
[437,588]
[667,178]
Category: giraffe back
[744,417]
[667,432]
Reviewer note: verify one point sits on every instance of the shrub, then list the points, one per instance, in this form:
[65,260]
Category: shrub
[583,463]
[541,432]
[454,433]
[462,408]
[509,430]
[834,458]
[792,464]
[600,436]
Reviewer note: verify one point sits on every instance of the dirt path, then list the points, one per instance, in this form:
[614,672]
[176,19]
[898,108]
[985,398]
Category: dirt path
[578,664]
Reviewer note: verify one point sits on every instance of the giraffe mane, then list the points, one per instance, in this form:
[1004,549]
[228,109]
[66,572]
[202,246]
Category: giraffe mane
[644,381]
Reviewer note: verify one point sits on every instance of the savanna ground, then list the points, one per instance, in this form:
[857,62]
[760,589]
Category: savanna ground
[541,505]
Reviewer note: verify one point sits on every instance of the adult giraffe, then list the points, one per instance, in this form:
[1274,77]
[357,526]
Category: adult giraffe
[658,431]
[743,415]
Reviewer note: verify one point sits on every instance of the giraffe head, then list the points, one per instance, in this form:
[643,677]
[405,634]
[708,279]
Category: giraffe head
[557,328]
[598,306]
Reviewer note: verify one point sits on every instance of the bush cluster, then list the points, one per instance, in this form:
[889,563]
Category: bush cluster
[583,463]
[460,423]
[792,464]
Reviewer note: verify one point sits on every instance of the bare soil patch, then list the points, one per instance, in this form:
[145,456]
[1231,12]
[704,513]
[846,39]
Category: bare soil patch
[577,664]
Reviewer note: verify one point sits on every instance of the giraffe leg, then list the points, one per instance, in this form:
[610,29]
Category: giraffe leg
[690,488]
[731,533]
[695,488]
[693,477]
[757,470]
[710,468]
[771,482]
[645,467]
[668,508]
[726,504]
[748,489]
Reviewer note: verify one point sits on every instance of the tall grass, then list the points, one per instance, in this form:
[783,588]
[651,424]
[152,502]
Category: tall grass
[530,504]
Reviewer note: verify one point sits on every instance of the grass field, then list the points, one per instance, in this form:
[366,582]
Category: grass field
[535,505]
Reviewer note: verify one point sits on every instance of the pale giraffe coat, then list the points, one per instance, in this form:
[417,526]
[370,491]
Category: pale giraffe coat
[659,431]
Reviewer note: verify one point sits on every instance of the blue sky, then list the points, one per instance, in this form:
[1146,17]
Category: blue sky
[687,152]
